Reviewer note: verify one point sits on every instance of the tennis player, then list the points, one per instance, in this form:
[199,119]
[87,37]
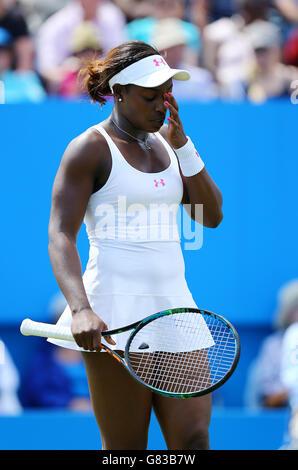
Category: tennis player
[131,159]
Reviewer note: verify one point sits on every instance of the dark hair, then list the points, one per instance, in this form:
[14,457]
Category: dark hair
[97,73]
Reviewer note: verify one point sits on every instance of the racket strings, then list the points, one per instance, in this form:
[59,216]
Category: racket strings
[187,352]
[173,374]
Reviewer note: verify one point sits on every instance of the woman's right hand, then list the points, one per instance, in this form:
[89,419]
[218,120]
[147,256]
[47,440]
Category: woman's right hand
[86,328]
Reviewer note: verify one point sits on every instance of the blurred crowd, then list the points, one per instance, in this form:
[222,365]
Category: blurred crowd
[234,49]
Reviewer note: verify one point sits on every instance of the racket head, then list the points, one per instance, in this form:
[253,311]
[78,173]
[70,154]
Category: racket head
[153,368]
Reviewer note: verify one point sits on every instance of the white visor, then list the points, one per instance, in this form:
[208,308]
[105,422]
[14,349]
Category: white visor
[149,73]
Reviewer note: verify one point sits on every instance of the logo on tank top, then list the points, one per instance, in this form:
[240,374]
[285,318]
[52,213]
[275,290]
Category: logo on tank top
[156,183]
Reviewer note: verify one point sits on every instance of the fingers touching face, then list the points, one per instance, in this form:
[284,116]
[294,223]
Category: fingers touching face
[146,108]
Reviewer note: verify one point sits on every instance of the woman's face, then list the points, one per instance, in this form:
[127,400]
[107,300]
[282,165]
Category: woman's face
[143,107]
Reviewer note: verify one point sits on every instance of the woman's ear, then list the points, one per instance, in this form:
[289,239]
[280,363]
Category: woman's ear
[118,94]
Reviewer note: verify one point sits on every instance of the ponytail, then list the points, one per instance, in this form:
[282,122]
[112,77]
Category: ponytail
[95,80]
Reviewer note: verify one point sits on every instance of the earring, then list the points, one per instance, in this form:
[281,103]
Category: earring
[120,99]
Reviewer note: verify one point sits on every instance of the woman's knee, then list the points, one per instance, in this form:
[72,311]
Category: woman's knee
[197,440]
[184,423]
[194,438]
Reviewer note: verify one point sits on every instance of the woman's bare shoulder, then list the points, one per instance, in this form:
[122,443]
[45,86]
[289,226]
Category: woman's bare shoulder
[88,149]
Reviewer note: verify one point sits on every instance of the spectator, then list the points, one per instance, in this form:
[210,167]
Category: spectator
[17,86]
[224,43]
[170,38]
[265,386]
[56,377]
[85,45]
[245,54]
[9,383]
[13,21]
[54,37]
[289,376]
[143,29]
[235,64]
[271,77]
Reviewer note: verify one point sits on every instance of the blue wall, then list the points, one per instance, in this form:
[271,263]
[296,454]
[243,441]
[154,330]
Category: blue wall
[249,151]
[232,430]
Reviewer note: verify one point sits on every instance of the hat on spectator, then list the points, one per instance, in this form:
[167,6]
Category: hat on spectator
[5,38]
[263,34]
[85,37]
[168,33]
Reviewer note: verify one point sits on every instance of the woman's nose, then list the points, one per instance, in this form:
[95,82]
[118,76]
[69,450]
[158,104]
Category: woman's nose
[160,105]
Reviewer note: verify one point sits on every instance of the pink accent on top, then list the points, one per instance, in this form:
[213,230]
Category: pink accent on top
[159,182]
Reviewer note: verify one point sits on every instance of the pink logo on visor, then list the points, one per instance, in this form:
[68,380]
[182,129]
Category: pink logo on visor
[159,62]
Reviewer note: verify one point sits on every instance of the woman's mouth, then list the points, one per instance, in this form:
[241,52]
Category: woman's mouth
[159,121]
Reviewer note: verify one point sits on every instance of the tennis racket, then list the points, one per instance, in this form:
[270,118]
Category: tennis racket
[180,353]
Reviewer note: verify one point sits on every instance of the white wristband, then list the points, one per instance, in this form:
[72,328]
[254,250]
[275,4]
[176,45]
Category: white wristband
[189,159]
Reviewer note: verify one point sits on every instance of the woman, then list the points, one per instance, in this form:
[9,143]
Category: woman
[128,277]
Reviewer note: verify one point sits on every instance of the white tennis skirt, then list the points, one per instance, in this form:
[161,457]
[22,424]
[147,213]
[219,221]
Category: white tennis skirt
[119,310]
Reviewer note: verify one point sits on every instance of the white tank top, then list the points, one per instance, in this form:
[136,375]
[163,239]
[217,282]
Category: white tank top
[131,224]
[135,267]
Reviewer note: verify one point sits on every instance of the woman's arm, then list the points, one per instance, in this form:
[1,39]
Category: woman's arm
[72,189]
[199,188]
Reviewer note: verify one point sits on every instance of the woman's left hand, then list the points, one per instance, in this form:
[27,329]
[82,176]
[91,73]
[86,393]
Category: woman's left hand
[176,133]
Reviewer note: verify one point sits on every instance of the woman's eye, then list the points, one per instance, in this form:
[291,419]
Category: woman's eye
[149,99]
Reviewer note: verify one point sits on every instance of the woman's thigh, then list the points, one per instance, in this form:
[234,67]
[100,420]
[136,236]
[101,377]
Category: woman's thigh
[184,422]
[121,406]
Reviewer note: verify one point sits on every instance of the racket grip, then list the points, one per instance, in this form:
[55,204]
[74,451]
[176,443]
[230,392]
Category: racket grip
[46,330]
